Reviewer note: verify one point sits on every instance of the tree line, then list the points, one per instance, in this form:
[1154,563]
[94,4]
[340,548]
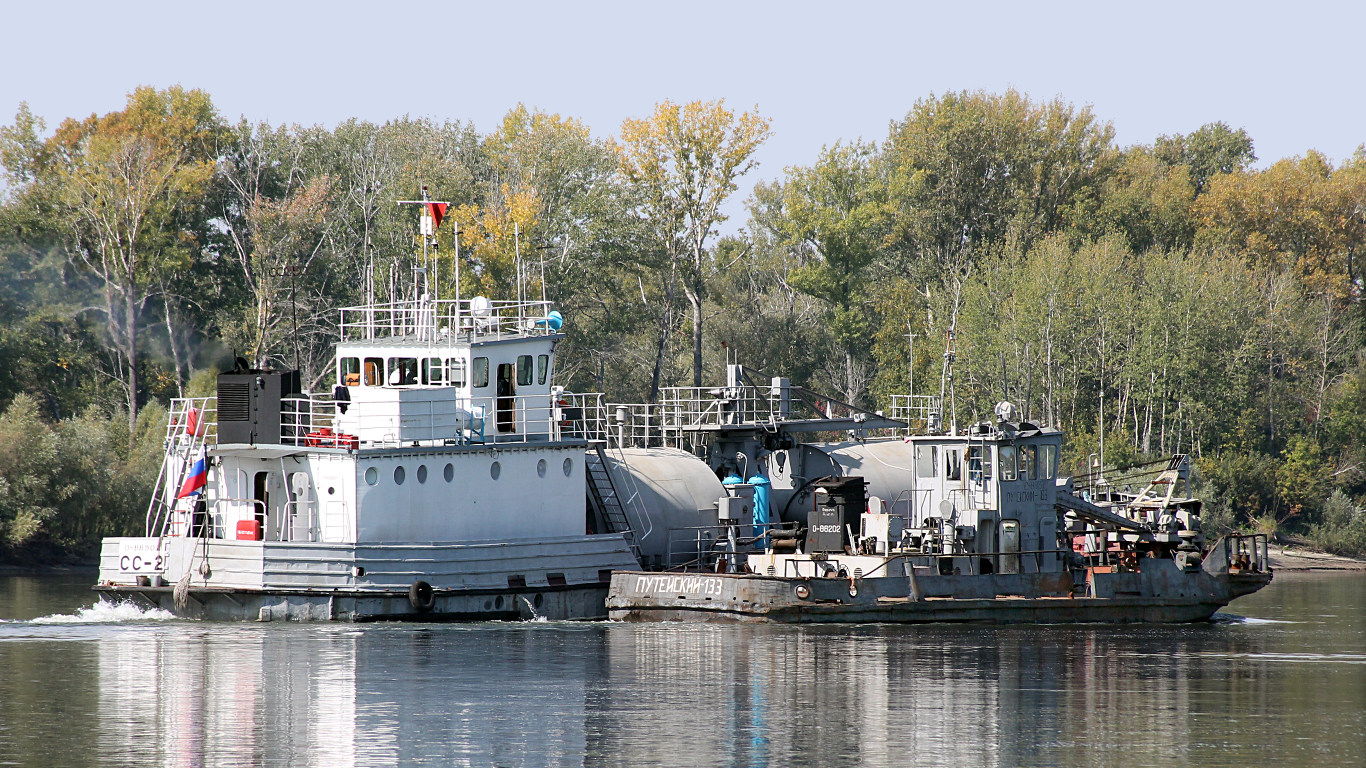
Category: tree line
[1159,298]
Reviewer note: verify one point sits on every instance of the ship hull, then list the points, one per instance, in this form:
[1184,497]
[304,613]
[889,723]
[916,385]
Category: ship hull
[215,579]
[1161,595]
[228,604]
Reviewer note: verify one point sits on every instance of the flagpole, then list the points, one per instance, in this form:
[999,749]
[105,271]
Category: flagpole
[455,228]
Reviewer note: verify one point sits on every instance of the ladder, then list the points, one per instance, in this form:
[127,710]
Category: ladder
[602,492]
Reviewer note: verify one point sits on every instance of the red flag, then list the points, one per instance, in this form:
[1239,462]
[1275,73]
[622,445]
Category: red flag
[438,212]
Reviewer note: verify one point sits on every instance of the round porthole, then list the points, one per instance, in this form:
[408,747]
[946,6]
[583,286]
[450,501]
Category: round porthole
[540,468]
[371,476]
[331,490]
[400,475]
[449,473]
[495,470]
[422,473]
[568,466]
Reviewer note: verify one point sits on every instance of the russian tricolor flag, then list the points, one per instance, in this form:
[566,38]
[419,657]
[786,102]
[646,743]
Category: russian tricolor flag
[197,479]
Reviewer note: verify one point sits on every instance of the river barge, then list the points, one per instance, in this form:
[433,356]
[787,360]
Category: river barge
[931,527]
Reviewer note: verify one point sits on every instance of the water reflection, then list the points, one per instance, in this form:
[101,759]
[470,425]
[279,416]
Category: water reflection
[1289,688]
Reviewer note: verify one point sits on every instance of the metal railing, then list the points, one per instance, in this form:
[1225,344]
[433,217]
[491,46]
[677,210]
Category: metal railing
[922,413]
[313,421]
[446,318]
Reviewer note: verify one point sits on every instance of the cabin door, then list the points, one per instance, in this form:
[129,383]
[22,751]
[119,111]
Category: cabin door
[303,511]
[1010,546]
[507,400]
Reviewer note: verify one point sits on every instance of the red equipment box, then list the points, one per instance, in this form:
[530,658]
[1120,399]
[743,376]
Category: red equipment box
[248,530]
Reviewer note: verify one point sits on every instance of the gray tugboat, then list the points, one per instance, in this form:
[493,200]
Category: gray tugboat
[931,527]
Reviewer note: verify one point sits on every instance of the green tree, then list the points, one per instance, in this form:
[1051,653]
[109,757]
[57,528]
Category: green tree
[831,217]
[685,159]
[128,189]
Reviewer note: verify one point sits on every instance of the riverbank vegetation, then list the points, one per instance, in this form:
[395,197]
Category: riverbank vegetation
[1169,297]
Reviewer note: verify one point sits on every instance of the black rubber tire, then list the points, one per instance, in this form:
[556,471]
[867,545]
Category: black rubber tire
[422,597]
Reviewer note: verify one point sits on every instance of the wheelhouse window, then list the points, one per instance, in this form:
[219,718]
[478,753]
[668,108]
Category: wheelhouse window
[1029,465]
[374,367]
[1048,461]
[523,370]
[402,371]
[542,368]
[953,464]
[1007,454]
[348,372]
[926,456]
[433,371]
[481,372]
[455,370]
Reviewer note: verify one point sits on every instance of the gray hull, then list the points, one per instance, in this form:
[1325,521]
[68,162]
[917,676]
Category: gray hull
[1158,595]
[226,604]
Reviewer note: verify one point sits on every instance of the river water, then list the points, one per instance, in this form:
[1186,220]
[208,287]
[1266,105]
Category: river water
[1278,679]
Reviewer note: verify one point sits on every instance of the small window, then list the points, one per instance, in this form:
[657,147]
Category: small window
[1029,467]
[1007,462]
[399,475]
[542,368]
[402,371]
[1048,461]
[953,465]
[433,371]
[925,458]
[349,372]
[523,370]
[455,369]
[373,371]
[481,372]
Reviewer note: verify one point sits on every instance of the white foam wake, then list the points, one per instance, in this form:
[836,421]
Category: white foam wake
[104,612]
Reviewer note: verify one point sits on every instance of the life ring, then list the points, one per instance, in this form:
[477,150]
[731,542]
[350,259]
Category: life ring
[422,597]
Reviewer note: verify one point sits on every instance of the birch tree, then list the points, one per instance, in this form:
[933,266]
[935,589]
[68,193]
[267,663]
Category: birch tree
[686,158]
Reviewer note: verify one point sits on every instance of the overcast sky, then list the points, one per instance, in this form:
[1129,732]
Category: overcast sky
[1288,73]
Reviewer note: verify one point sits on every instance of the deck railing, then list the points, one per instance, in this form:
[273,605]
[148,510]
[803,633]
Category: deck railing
[433,320]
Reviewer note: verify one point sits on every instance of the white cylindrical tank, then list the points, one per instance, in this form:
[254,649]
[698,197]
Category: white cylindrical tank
[670,500]
[887,466]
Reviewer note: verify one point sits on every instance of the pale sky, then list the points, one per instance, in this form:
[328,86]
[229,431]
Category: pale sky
[1288,73]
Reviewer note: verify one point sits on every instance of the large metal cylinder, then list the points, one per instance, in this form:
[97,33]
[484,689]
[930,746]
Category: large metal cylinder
[887,466]
[670,501]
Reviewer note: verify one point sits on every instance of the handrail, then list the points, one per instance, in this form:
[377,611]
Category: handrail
[428,319]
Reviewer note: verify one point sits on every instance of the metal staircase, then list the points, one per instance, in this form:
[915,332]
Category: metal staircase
[604,496]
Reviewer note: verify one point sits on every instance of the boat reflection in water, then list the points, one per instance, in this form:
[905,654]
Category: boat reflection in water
[613,694]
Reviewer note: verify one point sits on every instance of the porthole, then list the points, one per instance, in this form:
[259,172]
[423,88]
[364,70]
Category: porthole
[331,490]
[537,602]
[495,470]
[371,476]
[400,474]
[540,468]
[422,473]
[449,473]
[568,466]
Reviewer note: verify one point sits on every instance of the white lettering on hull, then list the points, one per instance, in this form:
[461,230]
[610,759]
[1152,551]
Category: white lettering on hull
[679,584]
